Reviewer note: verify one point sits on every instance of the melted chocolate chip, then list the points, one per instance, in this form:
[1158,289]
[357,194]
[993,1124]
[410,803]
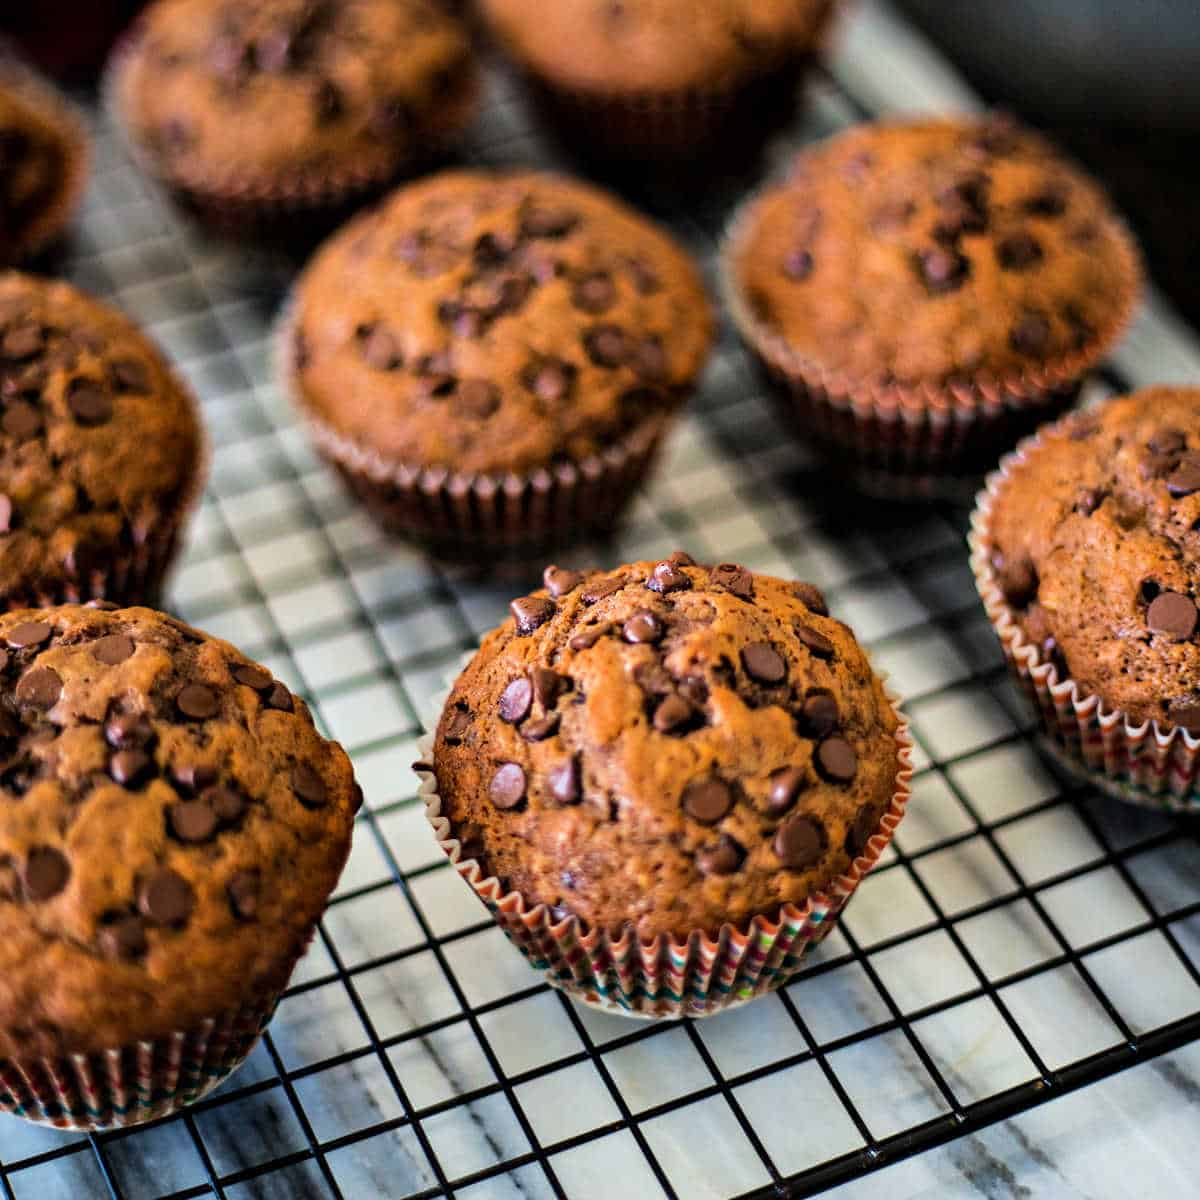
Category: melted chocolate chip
[191,821]
[548,686]
[594,293]
[130,375]
[197,702]
[1018,252]
[587,638]
[39,688]
[541,729]
[531,613]
[130,768]
[89,402]
[1018,581]
[1185,479]
[943,270]
[798,265]
[309,787]
[516,701]
[836,760]
[507,789]
[642,628]
[763,663]
[597,589]
[280,698]
[29,633]
[229,806]
[563,781]
[674,714]
[477,398]
[123,937]
[47,872]
[167,899]
[814,641]
[558,581]
[540,221]
[550,379]
[734,578]
[114,649]
[1172,614]
[707,800]
[667,577]
[253,676]
[723,858]
[21,421]
[799,843]
[1167,442]
[606,345]
[243,890]
[1031,334]
[819,714]
[785,788]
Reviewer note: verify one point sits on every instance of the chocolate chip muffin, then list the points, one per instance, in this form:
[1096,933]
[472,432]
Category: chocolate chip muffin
[173,827]
[929,289]
[491,359]
[101,450]
[669,749]
[261,113]
[43,162]
[662,78]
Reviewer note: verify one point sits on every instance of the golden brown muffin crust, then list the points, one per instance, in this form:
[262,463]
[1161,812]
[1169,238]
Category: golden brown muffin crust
[935,251]
[172,825]
[98,439]
[656,45]
[1097,549]
[496,322]
[668,745]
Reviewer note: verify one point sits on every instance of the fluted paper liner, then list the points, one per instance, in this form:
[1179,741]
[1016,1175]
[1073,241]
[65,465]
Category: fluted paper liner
[1151,763]
[697,975]
[912,439]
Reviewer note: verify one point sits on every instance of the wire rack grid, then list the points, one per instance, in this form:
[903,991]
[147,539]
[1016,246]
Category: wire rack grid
[990,963]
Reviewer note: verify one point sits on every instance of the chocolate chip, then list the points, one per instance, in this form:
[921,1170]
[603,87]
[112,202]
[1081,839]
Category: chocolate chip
[643,628]
[799,843]
[649,360]
[811,597]
[559,581]
[943,270]
[819,714]
[167,899]
[837,760]
[253,676]
[587,638]
[130,768]
[491,249]
[198,702]
[29,633]
[707,800]
[507,789]
[46,873]
[21,421]
[859,833]
[191,821]
[1018,581]
[813,640]
[89,402]
[309,787]
[673,715]
[563,781]
[1167,442]
[785,788]
[606,345]
[22,341]
[1090,499]
[734,578]
[644,278]
[476,398]
[541,729]
[1051,201]
[548,686]
[327,101]
[39,688]
[243,891]
[380,348]
[599,588]
[457,724]
[550,379]
[230,806]
[1172,614]
[1185,479]
[763,663]
[964,205]
[130,375]
[539,221]
[114,649]
[722,859]
[194,777]
[123,937]
[594,293]
[531,613]
[280,699]
[125,730]
[681,558]
[667,577]
[1030,334]
[516,701]
[798,265]
[1018,251]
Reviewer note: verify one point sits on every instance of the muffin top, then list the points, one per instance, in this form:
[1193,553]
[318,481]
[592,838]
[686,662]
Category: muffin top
[98,440]
[496,322]
[174,825]
[1096,548]
[655,45]
[668,745]
[248,92]
[932,252]
[43,155]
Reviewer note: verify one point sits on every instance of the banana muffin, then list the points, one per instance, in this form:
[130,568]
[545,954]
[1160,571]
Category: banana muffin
[257,113]
[929,289]
[669,749]
[101,450]
[491,359]
[173,828]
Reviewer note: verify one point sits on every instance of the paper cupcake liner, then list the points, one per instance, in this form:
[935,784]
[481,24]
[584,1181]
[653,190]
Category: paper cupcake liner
[1148,763]
[57,211]
[457,516]
[920,439]
[300,204]
[697,975]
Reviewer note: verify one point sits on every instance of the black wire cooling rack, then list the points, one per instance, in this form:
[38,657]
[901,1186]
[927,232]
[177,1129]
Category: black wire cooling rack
[1023,938]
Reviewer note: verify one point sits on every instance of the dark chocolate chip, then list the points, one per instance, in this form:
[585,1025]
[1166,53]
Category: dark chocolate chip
[734,578]
[548,686]
[114,649]
[550,379]
[667,577]
[539,221]
[39,688]
[22,341]
[516,701]
[230,806]
[507,789]
[674,714]
[1167,442]
[597,589]
[649,360]
[563,781]
[253,676]
[819,714]
[559,581]
[280,698]
[1019,582]
[198,702]
[192,821]
[457,725]
[1051,201]
[531,613]
[859,833]
[123,937]
[380,348]
[799,843]
[721,859]
[836,760]
[586,638]
[817,644]
[642,628]
[130,768]
[798,265]
[785,788]
[681,558]
[309,787]
[1030,334]
[477,399]
[1173,614]
[943,270]
[1018,251]
[29,633]
[21,421]
[1185,479]
[46,873]
[327,101]
[89,402]
[594,293]
[541,729]
[130,375]
[606,345]
[167,899]
[811,597]
[125,730]
[707,800]
[243,890]
[763,663]
[194,777]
